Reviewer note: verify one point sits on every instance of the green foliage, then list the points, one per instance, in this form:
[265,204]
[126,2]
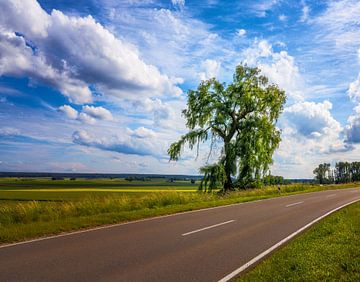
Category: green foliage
[343,172]
[241,116]
[323,174]
[214,176]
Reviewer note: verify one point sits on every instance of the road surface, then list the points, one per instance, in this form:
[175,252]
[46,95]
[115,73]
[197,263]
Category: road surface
[204,245]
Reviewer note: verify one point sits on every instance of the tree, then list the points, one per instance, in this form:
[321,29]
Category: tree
[323,173]
[242,117]
[342,172]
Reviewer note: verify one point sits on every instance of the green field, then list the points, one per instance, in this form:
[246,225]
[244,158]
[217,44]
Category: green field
[34,207]
[47,189]
[328,251]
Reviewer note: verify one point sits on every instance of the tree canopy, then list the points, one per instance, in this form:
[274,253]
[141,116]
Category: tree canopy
[241,117]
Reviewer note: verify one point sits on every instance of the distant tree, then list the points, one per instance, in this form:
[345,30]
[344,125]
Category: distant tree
[355,171]
[129,178]
[241,116]
[342,172]
[323,173]
[273,180]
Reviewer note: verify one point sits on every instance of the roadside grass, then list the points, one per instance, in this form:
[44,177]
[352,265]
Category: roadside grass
[328,251]
[31,215]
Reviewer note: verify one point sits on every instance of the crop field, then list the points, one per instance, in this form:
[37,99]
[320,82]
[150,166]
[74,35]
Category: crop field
[47,189]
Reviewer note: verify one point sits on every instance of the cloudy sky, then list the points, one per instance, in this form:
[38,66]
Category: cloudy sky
[99,85]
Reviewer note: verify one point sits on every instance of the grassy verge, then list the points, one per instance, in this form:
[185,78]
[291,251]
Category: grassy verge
[329,251]
[20,220]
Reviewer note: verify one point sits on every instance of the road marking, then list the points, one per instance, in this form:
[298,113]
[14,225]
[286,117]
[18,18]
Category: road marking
[332,195]
[205,228]
[293,204]
[283,241]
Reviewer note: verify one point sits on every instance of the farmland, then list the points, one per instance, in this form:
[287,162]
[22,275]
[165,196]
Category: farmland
[66,189]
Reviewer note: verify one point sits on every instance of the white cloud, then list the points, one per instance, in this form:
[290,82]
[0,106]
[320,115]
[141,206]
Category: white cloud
[282,18]
[70,53]
[85,118]
[210,68]
[241,32]
[9,131]
[19,59]
[279,67]
[143,132]
[353,127]
[138,142]
[89,114]
[24,15]
[175,42]
[312,120]
[358,54]
[262,7]
[69,111]
[354,89]
[178,3]
[97,112]
[340,22]
[305,12]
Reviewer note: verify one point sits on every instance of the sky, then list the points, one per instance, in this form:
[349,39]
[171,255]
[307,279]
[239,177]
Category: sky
[99,85]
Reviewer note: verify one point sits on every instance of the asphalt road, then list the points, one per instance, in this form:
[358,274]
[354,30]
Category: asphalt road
[204,245]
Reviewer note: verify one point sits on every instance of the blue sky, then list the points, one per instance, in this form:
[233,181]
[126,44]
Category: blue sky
[98,86]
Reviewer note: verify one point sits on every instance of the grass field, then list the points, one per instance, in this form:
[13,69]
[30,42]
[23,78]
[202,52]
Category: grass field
[329,251]
[47,189]
[34,207]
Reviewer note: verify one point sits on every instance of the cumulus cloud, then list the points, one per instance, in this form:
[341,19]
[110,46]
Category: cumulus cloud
[143,132]
[159,110]
[312,120]
[18,58]
[97,112]
[354,89]
[69,111]
[70,53]
[279,67]
[130,144]
[353,127]
[89,114]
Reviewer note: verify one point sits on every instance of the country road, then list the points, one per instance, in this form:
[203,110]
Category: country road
[205,245]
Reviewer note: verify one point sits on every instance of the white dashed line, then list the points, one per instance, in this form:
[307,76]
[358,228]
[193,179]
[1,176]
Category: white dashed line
[293,204]
[208,227]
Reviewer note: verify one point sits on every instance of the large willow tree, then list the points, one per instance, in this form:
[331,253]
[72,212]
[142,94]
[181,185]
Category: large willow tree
[242,118]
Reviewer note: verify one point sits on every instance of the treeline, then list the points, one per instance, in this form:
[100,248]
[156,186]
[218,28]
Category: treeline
[343,172]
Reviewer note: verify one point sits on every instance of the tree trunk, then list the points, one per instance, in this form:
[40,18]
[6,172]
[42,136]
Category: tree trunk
[228,185]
